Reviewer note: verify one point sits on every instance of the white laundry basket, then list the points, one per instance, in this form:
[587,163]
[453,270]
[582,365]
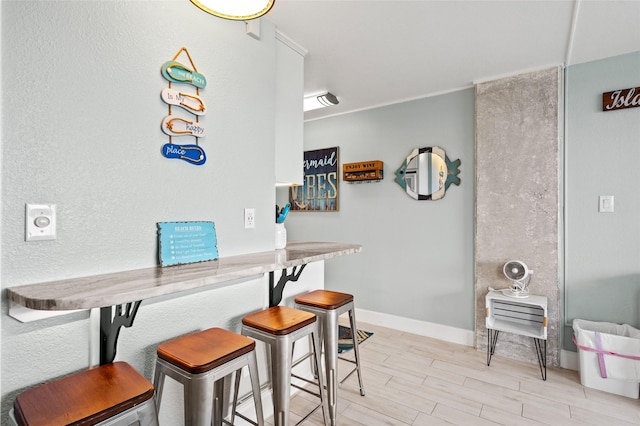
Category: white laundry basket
[609,356]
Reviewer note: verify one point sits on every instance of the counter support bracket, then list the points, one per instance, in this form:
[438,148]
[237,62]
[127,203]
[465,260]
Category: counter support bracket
[275,290]
[110,326]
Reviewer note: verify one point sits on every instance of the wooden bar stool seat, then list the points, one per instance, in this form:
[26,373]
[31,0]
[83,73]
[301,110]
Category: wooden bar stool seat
[328,305]
[111,394]
[279,327]
[199,361]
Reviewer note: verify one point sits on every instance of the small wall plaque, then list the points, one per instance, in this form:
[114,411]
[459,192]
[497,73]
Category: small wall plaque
[621,99]
[364,171]
[186,242]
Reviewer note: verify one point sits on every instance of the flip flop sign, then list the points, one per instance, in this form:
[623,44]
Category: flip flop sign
[178,126]
[192,154]
[178,73]
[188,102]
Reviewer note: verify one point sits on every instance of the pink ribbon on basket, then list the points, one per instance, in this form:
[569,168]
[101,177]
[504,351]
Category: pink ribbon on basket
[602,352]
[603,368]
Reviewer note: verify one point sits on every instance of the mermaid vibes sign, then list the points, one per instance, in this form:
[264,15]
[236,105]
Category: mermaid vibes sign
[319,192]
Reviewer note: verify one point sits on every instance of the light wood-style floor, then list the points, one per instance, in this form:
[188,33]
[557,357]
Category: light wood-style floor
[415,380]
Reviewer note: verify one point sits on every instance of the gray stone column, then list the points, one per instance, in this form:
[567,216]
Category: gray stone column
[518,195]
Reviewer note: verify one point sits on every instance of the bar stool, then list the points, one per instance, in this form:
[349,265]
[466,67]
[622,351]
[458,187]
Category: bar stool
[111,394]
[279,327]
[199,361]
[328,306]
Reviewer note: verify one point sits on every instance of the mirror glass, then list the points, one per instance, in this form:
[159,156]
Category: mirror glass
[427,173]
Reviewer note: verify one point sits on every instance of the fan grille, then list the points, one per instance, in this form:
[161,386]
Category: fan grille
[515,270]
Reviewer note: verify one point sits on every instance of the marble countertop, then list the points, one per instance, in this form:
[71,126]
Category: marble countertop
[128,286]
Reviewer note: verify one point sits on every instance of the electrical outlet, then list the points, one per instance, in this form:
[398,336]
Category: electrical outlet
[249,218]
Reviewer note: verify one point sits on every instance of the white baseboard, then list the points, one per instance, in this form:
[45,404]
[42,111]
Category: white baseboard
[569,360]
[422,328]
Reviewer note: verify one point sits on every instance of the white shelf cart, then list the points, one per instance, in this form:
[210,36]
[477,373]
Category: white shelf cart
[523,316]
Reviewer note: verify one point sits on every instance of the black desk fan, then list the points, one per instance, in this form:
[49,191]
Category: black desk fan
[519,275]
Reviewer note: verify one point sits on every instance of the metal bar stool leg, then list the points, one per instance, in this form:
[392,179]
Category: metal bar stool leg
[255,386]
[356,351]
[321,387]
[281,367]
[198,398]
[331,361]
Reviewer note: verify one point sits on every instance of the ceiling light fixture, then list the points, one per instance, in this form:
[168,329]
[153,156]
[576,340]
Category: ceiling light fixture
[319,101]
[237,10]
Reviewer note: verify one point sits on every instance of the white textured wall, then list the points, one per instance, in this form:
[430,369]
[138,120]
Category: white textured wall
[517,210]
[81,128]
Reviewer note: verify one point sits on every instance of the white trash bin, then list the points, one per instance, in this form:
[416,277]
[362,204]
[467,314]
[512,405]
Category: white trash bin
[609,356]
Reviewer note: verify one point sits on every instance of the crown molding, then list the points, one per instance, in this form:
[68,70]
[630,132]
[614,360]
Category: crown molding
[280,36]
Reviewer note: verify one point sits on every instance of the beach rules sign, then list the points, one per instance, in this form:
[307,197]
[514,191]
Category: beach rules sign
[186,242]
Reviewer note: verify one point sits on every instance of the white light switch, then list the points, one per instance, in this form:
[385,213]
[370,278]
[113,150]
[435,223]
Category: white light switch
[40,222]
[605,204]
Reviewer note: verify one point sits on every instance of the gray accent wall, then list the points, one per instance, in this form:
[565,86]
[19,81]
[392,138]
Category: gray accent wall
[602,155]
[417,260]
[517,214]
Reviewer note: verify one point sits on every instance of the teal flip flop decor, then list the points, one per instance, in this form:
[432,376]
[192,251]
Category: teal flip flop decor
[178,73]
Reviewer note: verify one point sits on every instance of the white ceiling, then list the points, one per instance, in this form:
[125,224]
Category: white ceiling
[371,53]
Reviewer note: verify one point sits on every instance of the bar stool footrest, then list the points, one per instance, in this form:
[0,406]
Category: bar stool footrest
[301,359]
[243,417]
[348,375]
[308,415]
[302,388]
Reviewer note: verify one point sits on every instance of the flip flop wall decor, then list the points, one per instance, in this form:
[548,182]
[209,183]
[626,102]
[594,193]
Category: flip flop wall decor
[178,126]
[174,125]
[192,154]
[192,103]
[178,73]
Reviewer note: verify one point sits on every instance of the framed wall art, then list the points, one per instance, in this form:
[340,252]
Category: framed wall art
[319,191]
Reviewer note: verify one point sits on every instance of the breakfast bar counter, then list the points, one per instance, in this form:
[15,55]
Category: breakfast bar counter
[125,290]
[128,286]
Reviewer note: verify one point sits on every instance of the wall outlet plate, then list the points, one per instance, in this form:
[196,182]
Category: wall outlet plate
[249,218]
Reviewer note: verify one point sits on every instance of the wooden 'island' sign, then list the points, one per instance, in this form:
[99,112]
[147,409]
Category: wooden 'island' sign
[621,99]
[186,242]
